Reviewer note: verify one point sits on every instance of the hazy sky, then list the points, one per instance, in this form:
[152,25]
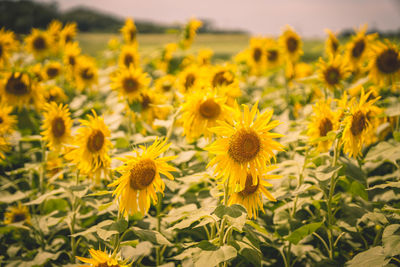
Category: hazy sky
[308,17]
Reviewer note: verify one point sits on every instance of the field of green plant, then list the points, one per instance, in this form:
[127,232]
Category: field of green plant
[198,150]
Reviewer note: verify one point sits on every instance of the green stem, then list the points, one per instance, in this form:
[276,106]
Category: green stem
[158,208]
[223,221]
[72,228]
[42,186]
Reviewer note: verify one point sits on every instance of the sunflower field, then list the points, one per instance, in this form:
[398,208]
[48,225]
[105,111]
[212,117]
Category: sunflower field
[179,158]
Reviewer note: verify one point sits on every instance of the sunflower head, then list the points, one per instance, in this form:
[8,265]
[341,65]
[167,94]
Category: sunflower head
[71,54]
[129,56]
[68,33]
[7,121]
[331,44]
[359,46]
[101,259]
[384,66]
[38,43]
[291,44]
[153,106]
[272,53]
[130,82]
[85,71]
[190,78]
[17,214]
[52,70]
[129,31]
[8,44]
[333,72]
[140,178]
[189,32]
[165,84]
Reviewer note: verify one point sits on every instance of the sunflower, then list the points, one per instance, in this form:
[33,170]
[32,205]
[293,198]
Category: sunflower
[129,31]
[204,57]
[3,147]
[85,72]
[140,178]
[331,44]
[52,70]
[358,47]
[166,56]
[273,57]
[7,121]
[189,33]
[54,93]
[244,146]
[90,153]
[71,53]
[18,89]
[152,106]
[256,56]
[251,195]
[36,72]
[53,30]
[129,56]
[221,75]
[7,45]
[322,122]
[200,111]
[129,82]
[384,63]
[357,124]
[68,33]
[56,125]
[38,43]
[165,84]
[291,44]
[189,78]
[100,259]
[17,214]
[333,72]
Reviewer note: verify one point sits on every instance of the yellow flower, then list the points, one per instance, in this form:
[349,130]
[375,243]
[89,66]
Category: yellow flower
[165,84]
[333,72]
[322,122]
[100,259]
[140,178]
[153,106]
[17,214]
[272,54]
[3,147]
[38,43]
[384,63]
[52,70]
[291,44]
[252,193]
[90,153]
[166,56]
[244,146]
[358,47]
[68,33]
[7,45]
[204,57]
[129,56]
[7,121]
[302,69]
[190,32]
[71,54]
[54,93]
[19,90]
[85,73]
[53,30]
[357,124]
[130,82]
[37,72]
[189,78]
[129,31]
[257,58]
[56,125]
[331,43]
[201,110]
[54,165]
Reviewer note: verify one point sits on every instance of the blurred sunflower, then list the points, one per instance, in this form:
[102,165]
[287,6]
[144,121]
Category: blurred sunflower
[358,47]
[52,70]
[7,121]
[129,56]
[245,146]
[384,63]
[90,153]
[166,56]
[331,43]
[204,57]
[152,106]
[36,72]
[68,33]
[100,259]
[200,111]
[8,44]
[323,120]
[38,43]
[53,29]
[357,124]
[189,32]
[252,194]
[85,72]
[333,72]
[71,54]
[140,178]
[291,44]
[221,75]
[256,55]
[189,78]
[129,31]
[3,147]
[165,84]
[17,214]
[129,82]
[54,93]
[56,125]
[272,53]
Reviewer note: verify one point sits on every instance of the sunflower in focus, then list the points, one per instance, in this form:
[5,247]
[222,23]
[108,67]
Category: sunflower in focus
[357,124]
[333,72]
[7,121]
[52,70]
[17,214]
[129,32]
[244,146]
[291,44]
[129,56]
[129,82]
[252,194]
[85,72]
[322,122]
[358,47]
[56,125]
[384,63]
[68,33]
[7,45]
[331,43]
[140,178]
[152,106]
[92,144]
[273,57]
[200,111]
[38,43]
[189,33]
[100,259]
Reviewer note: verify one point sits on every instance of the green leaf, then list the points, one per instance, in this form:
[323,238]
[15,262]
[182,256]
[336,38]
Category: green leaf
[372,257]
[141,249]
[214,257]
[391,240]
[297,235]
[358,189]
[100,193]
[206,245]
[119,226]
[152,236]
[396,136]
[234,211]
[9,198]
[48,195]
